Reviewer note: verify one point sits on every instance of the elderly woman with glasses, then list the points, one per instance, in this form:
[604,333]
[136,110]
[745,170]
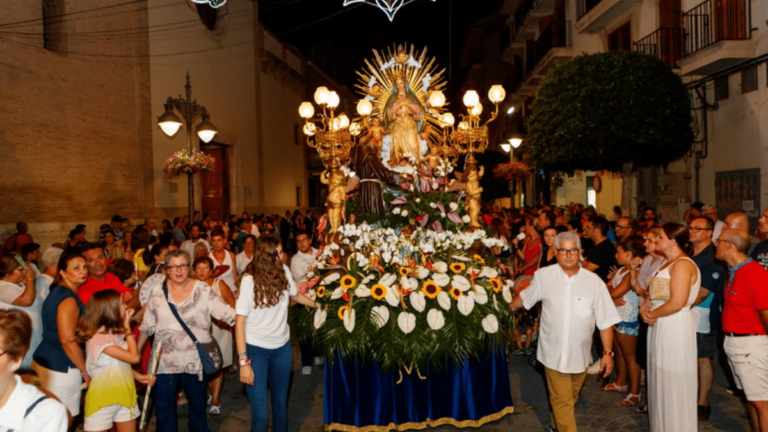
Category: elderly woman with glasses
[180,363]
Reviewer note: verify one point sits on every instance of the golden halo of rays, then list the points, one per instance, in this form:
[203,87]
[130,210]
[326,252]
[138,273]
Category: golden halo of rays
[412,75]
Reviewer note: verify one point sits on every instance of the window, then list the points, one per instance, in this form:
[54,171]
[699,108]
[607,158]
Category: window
[721,88]
[621,38]
[591,194]
[749,79]
[53,25]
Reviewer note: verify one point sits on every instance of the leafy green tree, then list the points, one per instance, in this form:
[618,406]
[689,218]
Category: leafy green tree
[616,111]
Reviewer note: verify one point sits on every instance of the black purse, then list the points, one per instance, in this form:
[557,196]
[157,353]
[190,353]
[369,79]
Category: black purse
[210,353]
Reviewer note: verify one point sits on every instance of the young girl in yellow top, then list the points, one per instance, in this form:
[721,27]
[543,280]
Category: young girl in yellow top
[110,352]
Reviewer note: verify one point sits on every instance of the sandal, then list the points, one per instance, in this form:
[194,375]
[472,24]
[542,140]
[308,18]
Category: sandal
[642,410]
[214,410]
[630,400]
[614,388]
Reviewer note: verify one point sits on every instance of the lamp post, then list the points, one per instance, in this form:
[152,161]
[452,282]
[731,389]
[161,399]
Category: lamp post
[514,143]
[170,123]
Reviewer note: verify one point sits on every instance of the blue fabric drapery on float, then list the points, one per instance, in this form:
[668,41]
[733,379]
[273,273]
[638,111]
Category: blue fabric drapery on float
[365,399]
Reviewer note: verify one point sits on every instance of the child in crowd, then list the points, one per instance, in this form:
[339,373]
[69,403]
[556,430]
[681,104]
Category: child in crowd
[111,398]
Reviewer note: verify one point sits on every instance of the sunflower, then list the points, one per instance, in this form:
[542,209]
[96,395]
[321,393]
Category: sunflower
[348,281]
[479,259]
[378,291]
[496,284]
[321,291]
[455,293]
[431,289]
[457,267]
[342,310]
[405,271]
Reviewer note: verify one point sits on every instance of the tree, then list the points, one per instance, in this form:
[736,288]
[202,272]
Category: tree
[615,111]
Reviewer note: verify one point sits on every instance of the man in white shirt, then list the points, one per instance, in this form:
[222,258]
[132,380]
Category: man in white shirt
[710,212]
[573,301]
[299,264]
[194,237]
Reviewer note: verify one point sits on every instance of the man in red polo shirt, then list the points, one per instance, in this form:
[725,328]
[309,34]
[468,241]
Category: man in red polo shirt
[99,279]
[745,321]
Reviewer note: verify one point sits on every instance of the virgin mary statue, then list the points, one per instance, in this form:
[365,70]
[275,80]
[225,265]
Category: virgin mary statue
[405,119]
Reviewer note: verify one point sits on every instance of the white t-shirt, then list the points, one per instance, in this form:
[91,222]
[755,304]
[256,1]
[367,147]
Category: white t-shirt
[43,285]
[242,261]
[189,247]
[265,327]
[48,416]
[9,292]
[300,264]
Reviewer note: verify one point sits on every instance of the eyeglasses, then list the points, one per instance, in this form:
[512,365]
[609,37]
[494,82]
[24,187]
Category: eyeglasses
[303,240]
[697,229]
[177,267]
[622,227]
[716,241]
[203,268]
[567,251]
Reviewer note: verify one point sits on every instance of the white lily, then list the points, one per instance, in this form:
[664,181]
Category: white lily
[421,272]
[490,324]
[440,267]
[418,301]
[435,319]
[406,321]
[461,283]
[488,273]
[444,300]
[349,320]
[362,291]
[465,304]
[320,317]
[380,315]
[333,277]
[441,279]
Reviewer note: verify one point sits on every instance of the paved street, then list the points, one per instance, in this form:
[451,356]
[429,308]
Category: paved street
[596,410]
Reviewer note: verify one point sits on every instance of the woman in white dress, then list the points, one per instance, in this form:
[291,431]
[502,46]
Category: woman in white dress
[223,260]
[17,291]
[246,256]
[203,268]
[672,367]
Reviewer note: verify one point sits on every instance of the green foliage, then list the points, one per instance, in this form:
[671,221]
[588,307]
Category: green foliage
[600,111]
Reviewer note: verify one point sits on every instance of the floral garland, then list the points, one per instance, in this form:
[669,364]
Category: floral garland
[421,299]
[182,162]
[512,171]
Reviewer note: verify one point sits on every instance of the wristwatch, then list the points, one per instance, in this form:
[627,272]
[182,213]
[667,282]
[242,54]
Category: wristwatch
[610,353]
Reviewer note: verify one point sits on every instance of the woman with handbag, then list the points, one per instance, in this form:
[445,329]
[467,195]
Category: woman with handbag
[178,313]
[262,333]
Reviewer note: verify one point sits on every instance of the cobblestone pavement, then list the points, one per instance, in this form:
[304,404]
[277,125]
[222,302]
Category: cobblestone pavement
[596,410]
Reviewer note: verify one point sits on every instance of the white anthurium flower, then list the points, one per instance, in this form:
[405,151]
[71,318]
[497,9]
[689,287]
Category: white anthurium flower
[481,295]
[392,297]
[461,283]
[490,324]
[454,206]
[440,267]
[349,319]
[488,273]
[460,258]
[441,279]
[362,291]
[444,300]
[421,272]
[367,279]
[506,293]
[406,321]
[388,279]
[333,277]
[435,319]
[312,294]
[320,317]
[418,301]
[380,315]
[465,304]
[409,284]
[337,293]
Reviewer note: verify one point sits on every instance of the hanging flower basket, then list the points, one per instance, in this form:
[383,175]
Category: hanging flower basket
[512,171]
[182,162]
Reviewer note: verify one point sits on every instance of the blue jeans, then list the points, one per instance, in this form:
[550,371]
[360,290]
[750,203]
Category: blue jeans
[271,366]
[165,401]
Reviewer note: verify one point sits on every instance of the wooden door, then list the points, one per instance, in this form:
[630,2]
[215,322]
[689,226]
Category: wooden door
[215,184]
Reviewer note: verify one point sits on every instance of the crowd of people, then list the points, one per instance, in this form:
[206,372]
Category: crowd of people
[658,302]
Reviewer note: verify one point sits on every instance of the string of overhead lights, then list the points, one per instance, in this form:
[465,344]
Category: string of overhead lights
[389,7]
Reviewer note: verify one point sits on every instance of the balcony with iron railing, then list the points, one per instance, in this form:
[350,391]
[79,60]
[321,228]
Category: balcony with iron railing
[718,34]
[595,15]
[552,45]
[666,44]
[527,17]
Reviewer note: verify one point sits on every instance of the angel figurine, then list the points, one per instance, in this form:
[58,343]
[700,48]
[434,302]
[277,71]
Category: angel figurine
[335,201]
[401,58]
[473,190]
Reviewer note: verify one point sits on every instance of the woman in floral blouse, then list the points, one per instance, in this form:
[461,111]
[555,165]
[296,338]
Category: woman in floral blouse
[179,362]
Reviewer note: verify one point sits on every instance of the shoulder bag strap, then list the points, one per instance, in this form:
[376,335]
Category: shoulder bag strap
[34,404]
[176,314]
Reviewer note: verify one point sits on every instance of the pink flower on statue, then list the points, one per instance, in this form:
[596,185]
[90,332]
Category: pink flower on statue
[425,185]
[441,207]
[406,186]
[454,217]
[399,201]
[423,220]
[437,227]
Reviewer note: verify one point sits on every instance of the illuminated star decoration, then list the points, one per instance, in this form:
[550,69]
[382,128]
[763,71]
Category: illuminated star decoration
[213,3]
[390,7]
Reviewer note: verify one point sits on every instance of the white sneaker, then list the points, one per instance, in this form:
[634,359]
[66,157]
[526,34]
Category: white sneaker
[594,368]
[306,370]
[319,361]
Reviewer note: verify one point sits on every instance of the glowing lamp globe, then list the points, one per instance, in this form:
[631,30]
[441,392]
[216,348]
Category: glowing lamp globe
[170,127]
[306,110]
[309,129]
[463,125]
[364,107]
[206,130]
[333,100]
[343,121]
[437,99]
[448,119]
[477,110]
[169,122]
[471,99]
[496,94]
[354,129]
[506,147]
[515,142]
[321,95]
